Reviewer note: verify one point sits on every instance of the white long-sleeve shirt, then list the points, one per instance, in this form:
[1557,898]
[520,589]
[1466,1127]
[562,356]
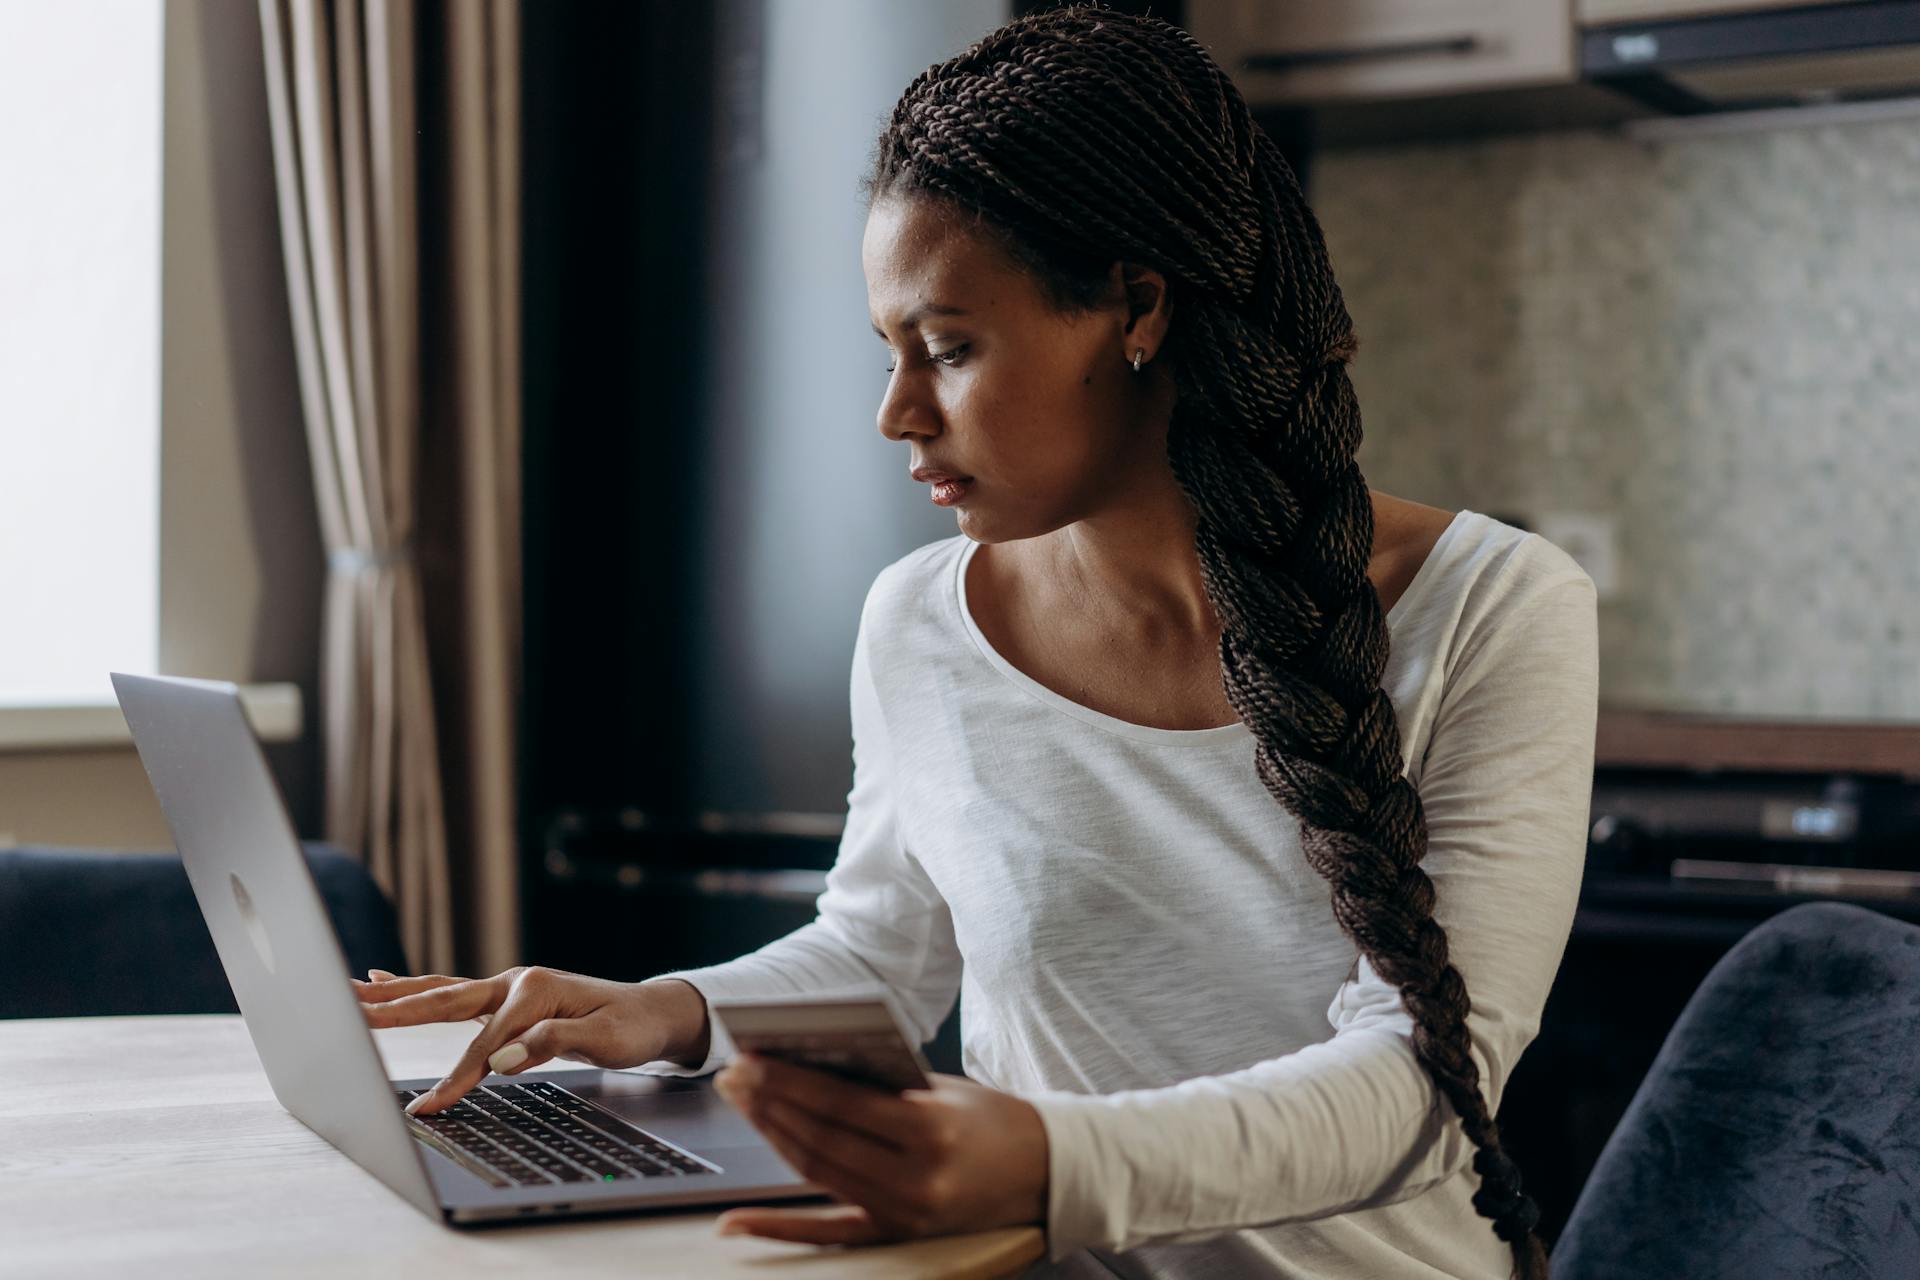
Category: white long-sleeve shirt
[1141,950]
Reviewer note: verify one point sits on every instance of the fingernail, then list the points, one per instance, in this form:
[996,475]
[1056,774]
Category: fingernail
[414,1106]
[504,1060]
[379,975]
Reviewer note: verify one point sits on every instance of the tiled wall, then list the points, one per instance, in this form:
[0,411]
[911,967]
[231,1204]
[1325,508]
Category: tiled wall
[1715,339]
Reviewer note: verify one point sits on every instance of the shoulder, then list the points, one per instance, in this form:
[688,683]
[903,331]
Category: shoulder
[1506,566]
[918,584]
[1513,589]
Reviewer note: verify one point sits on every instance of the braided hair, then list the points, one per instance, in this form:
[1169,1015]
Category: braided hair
[1078,136]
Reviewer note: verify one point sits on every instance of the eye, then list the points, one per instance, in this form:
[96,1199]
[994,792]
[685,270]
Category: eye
[947,358]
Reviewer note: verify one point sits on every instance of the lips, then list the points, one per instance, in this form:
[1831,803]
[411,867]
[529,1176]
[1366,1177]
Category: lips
[949,490]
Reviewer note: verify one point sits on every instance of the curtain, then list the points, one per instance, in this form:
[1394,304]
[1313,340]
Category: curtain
[396,159]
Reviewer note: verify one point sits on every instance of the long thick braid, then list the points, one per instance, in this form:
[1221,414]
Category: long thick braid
[1081,136]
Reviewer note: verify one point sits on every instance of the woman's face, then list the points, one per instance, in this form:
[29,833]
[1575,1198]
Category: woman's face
[1040,410]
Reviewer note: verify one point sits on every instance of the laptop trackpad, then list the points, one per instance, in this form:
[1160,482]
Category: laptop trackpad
[694,1117]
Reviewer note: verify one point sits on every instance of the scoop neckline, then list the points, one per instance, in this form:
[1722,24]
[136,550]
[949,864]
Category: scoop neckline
[1126,728]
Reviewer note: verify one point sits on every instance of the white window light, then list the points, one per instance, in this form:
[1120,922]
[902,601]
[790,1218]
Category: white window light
[80,145]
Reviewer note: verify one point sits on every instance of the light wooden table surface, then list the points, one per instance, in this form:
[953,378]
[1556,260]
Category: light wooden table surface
[116,1160]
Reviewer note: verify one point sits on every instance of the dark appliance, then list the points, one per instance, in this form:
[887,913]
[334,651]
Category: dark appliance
[1762,57]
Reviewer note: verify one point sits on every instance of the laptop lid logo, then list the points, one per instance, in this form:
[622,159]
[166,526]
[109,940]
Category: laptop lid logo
[256,927]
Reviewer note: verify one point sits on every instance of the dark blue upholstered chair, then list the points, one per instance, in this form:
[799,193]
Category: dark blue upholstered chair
[1778,1131]
[87,933]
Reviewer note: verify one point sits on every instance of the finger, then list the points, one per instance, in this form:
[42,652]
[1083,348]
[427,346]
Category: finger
[852,1185]
[517,1014]
[457,1001]
[395,988]
[888,1118]
[539,1044]
[830,1224]
[851,1149]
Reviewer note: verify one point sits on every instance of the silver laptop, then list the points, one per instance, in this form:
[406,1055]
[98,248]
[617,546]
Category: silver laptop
[539,1144]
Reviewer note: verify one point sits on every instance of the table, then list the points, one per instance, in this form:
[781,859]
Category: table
[114,1161]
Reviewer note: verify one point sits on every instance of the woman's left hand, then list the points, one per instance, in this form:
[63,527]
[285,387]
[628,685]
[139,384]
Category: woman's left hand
[956,1157]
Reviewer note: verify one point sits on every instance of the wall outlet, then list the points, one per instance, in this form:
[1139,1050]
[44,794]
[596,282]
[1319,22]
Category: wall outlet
[1588,538]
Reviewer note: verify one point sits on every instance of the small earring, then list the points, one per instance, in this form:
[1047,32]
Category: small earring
[1137,354]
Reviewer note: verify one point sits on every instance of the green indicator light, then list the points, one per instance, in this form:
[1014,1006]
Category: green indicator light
[608,1177]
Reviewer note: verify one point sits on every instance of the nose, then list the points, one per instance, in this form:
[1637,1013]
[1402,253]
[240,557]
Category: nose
[906,409]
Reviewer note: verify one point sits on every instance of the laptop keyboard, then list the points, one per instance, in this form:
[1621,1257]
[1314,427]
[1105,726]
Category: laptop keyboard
[538,1134]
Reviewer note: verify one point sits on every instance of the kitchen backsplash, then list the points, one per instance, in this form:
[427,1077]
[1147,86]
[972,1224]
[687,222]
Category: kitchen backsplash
[1714,340]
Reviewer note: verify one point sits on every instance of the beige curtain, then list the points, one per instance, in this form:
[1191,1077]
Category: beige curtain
[396,157]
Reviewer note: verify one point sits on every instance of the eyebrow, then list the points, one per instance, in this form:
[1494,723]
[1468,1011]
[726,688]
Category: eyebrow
[927,309]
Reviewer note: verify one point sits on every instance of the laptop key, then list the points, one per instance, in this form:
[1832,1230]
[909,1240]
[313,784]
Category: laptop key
[638,1139]
[447,1143]
[581,1155]
[626,1159]
[538,1119]
[517,1169]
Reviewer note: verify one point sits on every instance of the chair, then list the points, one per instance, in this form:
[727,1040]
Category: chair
[88,933]
[1778,1131]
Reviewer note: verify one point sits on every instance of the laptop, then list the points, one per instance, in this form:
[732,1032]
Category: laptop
[540,1144]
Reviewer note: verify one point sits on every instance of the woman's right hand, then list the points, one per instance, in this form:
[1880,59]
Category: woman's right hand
[547,1013]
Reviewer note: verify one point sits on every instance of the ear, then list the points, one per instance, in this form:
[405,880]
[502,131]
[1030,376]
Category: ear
[1148,310]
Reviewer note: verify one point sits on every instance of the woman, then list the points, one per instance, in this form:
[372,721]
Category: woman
[1178,673]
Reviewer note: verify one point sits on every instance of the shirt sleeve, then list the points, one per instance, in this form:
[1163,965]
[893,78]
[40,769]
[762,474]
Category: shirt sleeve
[1355,1122]
[880,923]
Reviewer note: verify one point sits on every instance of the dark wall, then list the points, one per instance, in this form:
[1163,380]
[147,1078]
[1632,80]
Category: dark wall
[615,140]
[707,497]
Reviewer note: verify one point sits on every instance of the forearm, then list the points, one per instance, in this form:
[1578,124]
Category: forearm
[1327,1130]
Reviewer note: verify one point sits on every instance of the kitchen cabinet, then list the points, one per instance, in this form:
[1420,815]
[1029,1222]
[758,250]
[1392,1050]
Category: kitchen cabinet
[1316,51]
[1596,13]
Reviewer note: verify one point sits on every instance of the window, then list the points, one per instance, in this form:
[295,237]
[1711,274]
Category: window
[80,140]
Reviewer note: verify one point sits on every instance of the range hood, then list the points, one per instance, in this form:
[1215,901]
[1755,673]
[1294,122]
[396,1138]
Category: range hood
[1759,58]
